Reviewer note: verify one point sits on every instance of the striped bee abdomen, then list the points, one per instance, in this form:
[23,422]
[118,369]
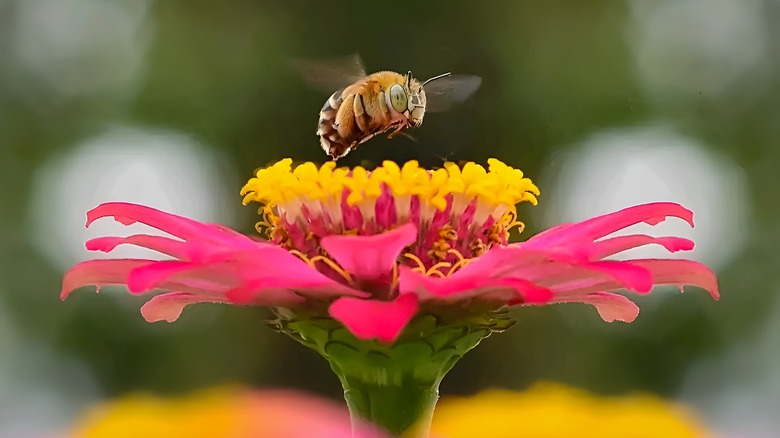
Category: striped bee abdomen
[327,128]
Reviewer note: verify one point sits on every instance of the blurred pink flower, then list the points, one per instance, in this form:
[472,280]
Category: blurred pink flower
[374,249]
[221,413]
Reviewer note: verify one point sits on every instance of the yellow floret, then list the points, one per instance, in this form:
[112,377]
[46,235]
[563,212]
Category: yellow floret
[497,185]
[551,411]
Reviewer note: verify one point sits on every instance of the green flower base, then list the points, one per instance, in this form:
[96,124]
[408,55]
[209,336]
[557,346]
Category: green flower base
[393,386]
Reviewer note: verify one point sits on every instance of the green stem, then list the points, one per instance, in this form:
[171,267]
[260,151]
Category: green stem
[392,386]
[404,410]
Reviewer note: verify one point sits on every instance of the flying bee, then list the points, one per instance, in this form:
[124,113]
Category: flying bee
[365,106]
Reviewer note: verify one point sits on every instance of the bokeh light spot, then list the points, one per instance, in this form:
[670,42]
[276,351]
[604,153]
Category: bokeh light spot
[696,46]
[616,169]
[161,169]
[79,47]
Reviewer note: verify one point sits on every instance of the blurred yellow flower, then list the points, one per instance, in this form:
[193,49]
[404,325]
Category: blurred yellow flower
[550,410]
[218,413]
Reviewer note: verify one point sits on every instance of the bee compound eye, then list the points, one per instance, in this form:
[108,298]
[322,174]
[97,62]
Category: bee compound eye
[398,98]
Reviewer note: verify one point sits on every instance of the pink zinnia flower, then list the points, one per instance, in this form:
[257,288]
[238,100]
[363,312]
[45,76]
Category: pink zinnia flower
[374,249]
[393,274]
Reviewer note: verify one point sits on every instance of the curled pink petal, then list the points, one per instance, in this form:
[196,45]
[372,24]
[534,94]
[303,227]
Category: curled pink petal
[322,287]
[277,268]
[179,226]
[372,319]
[150,276]
[212,263]
[248,282]
[459,287]
[503,261]
[168,306]
[611,307]
[559,278]
[681,273]
[530,273]
[664,271]
[614,245]
[99,273]
[164,245]
[259,294]
[601,226]
[369,256]
[127,214]
[560,265]
[631,277]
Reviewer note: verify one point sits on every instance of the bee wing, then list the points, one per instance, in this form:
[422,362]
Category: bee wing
[442,94]
[328,75]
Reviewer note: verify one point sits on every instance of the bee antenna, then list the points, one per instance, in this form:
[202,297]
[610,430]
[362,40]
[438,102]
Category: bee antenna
[443,75]
[409,79]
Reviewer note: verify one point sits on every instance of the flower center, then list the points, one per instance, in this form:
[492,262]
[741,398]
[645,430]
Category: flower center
[460,212]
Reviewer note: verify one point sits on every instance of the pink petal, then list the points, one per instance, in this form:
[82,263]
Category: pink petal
[369,256]
[99,272]
[150,276]
[663,271]
[164,245]
[179,226]
[631,277]
[614,245]
[536,266]
[369,319]
[168,307]
[247,277]
[601,226]
[117,272]
[127,214]
[681,273]
[540,268]
[275,297]
[275,269]
[503,261]
[461,287]
[257,290]
[611,307]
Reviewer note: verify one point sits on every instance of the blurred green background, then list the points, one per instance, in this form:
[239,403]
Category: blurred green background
[603,104]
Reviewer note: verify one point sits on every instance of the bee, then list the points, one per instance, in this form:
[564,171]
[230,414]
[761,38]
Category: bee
[365,106]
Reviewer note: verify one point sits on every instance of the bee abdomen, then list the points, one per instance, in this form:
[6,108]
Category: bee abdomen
[327,128]
[328,112]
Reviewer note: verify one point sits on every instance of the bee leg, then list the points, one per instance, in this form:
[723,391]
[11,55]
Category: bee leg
[335,155]
[397,130]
